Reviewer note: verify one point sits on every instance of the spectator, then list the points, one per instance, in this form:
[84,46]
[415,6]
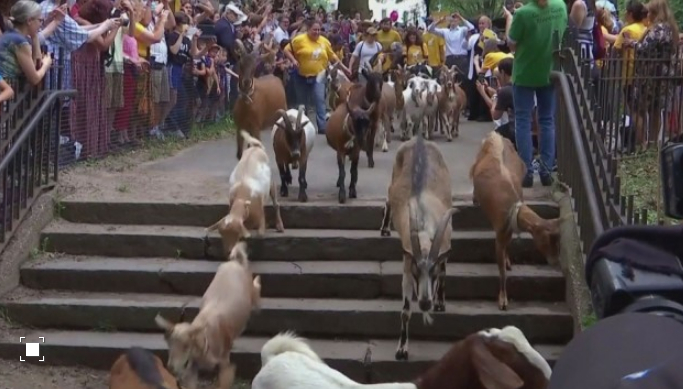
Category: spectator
[311,54]
[20,47]
[413,48]
[582,17]
[436,50]
[6,91]
[500,102]
[226,34]
[455,37]
[282,32]
[114,66]
[387,37]
[158,63]
[363,53]
[534,34]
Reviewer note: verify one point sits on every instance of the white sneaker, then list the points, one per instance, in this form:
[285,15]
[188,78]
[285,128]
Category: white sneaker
[179,134]
[155,132]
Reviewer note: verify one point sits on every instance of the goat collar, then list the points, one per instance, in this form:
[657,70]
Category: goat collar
[347,127]
[514,214]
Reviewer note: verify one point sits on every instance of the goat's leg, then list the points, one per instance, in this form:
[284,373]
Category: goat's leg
[288,174]
[386,125]
[405,123]
[446,127]
[354,175]
[281,167]
[240,144]
[226,375]
[384,230]
[407,285]
[341,177]
[279,226]
[369,150]
[303,197]
[440,304]
[502,241]
[456,123]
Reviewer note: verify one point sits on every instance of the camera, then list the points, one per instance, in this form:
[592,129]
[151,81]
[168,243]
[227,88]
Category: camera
[638,268]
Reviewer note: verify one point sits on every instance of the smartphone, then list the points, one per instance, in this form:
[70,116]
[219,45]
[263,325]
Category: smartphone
[191,32]
[481,78]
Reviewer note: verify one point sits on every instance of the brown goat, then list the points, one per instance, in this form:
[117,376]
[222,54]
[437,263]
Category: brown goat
[250,184]
[452,102]
[224,311]
[391,103]
[339,87]
[259,99]
[490,359]
[352,127]
[419,206]
[292,145]
[497,177]
[138,368]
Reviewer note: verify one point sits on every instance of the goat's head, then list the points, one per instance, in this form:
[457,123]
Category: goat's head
[247,67]
[187,346]
[333,77]
[416,86]
[373,86]
[431,92]
[294,134]
[358,121]
[426,260]
[232,229]
[546,234]
[400,77]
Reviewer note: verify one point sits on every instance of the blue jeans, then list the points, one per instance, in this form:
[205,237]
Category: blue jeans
[307,89]
[524,104]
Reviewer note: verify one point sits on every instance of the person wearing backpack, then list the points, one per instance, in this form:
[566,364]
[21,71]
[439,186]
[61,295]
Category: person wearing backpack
[364,52]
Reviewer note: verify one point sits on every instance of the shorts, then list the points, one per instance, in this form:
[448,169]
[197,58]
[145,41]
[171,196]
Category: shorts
[161,86]
[176,75]
[113,90]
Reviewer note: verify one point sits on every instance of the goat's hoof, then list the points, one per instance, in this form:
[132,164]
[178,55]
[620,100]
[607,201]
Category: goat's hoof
[401,355]
[503,303]
[342,196]
[385,232]
[371,163]
[449,139]
[352,193]
[440,307]
[303,197]
[508,265]
[283,191]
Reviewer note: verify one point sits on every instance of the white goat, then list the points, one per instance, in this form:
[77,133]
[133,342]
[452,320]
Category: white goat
[414,107]
[289,362]
[430,97]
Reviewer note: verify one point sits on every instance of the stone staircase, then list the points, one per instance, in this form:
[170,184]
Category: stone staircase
[105,269]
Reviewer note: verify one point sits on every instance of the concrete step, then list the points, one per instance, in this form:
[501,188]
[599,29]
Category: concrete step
[100,349]
[312,279]
[356,215]
[299,245]
[541,322]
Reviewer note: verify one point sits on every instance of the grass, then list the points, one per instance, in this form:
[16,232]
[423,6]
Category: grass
[640,177]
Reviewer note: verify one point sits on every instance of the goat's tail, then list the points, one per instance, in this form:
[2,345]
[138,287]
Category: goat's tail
[239,254]
[145,367]
[286,342]
[250,140]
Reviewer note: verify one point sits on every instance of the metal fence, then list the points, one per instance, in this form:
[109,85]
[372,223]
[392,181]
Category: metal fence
[617,110]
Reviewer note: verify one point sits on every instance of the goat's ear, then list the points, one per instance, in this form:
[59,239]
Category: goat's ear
[304,124]
[492,373]
[164,324]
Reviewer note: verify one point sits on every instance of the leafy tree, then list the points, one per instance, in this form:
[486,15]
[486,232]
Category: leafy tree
[471,8]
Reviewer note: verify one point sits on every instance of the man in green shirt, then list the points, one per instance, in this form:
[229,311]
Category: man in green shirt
[534,33]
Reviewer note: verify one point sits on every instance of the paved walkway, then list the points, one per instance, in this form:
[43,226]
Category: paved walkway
[201,172]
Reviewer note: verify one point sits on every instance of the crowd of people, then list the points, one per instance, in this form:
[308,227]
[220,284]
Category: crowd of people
[154,68]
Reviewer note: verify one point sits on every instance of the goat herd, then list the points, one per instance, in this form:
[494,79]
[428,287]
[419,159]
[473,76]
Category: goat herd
[419,206]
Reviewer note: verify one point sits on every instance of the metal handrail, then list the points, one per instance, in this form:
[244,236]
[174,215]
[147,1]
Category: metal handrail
[35,119]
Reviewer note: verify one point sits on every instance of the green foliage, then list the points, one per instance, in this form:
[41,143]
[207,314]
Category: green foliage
[471,8]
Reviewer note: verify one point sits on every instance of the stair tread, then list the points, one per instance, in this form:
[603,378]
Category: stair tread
[143,264]
[141,300]
[199,232]
[382,349]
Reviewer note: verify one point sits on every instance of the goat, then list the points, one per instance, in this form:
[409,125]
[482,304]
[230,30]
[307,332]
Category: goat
[292,145]
[419,205]
[138,368]
[289,362]
[258,101]
[250,183]
[413,108]
[392,102]
[352,127]
[489,359]
[339,86]
[206,342]
[430,97]
[497,177]
[452,101]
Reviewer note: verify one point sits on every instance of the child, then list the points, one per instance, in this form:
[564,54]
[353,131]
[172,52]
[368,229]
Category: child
[6,91]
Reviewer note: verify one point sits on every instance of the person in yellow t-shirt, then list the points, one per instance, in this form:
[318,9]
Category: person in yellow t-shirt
[312,53]
[386,37]
[413,48]
[492,55]
[436,50]
[630,34]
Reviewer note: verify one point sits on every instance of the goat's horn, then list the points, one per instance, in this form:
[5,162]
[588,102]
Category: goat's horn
[285,118]
[439,234]
[299,116]
[412,224]
[241,50]
[371,108]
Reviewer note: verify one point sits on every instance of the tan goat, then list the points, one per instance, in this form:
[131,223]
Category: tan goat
[419,206]
[250,182]
[138,368]
[223,315]
[390,104]
[452,102]
[497,177]
[259,100]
